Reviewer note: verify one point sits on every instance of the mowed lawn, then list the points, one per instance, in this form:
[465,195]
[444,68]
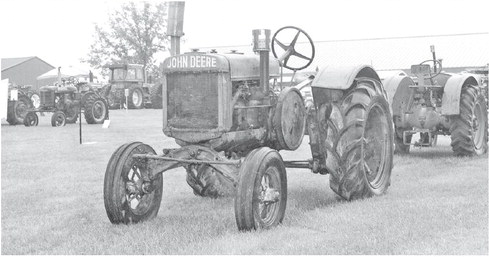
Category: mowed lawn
[52,202]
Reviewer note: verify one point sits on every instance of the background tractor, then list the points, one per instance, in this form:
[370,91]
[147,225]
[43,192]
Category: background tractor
[436,103]
[65,101]
[133,78]
[230,125]
[17,109]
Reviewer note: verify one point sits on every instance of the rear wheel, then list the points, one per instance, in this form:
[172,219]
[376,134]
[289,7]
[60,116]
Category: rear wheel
[261,195]
[136,98]
[17,110]
[127,197]
[96,109]
[400,147]
[469,128]
[58,119]
[360,142]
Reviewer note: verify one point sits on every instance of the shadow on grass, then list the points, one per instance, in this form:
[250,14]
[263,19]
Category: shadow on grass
[428,153]
[307,199]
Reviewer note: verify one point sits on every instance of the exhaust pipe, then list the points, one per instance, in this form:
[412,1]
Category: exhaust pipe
[175,25]
[261,44]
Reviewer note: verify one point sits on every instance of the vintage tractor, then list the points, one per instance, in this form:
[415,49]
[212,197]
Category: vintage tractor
[133,78]
[435,104]
[230,125]
[17,107]
[65,102]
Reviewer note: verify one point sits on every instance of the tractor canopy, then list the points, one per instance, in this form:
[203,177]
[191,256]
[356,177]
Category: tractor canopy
[126,72]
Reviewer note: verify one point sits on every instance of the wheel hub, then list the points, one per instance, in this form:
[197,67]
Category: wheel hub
[269,196]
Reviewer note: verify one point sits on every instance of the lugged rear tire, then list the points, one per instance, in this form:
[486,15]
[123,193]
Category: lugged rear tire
[469,128]
[360,142]
[400,147]
[120,179]
[96,109]
[17,110]
[207,182]
[136,98]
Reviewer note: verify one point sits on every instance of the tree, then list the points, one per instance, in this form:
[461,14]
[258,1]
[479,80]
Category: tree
[134,34]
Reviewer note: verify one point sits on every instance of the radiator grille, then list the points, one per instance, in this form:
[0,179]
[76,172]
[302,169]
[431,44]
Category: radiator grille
[47,98]
[192,100]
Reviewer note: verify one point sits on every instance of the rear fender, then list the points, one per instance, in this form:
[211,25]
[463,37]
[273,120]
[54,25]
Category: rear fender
[452,90]
[398,92]
[336,80]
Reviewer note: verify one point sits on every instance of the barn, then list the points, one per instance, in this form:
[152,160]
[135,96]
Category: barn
[24,70]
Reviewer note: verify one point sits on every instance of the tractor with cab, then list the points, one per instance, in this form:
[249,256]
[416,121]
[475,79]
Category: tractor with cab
[131,77]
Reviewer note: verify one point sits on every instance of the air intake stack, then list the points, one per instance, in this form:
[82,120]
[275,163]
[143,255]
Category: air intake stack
[261,44]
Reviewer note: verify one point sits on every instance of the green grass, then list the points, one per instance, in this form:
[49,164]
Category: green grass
[52,202]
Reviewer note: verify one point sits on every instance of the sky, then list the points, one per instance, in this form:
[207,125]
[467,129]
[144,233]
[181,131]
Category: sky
[60,32]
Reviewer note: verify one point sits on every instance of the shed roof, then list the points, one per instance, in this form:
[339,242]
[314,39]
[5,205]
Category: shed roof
[8,63]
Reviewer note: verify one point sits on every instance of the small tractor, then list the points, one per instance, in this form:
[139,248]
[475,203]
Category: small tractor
[230,124]
[65,101]
[436,103]
[133,78]
[17,110]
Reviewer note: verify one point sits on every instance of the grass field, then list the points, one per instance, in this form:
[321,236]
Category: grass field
[52,202]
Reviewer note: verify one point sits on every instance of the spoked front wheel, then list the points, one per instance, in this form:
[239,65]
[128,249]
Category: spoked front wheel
[262,190]
[127,197]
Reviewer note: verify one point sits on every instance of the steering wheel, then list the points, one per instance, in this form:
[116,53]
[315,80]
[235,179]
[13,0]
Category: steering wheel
[438,68]
[289,50]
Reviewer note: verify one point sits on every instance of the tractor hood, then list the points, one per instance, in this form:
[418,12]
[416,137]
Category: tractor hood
[240,67]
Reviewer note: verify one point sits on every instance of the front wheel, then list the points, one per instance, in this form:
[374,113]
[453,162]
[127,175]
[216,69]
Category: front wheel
[31,119]
[127,197]
[58,119]
[360,140]
[261,195]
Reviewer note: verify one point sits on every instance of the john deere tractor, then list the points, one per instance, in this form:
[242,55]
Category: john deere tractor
[230,125]
[65,100]
[437,103]
[133,78]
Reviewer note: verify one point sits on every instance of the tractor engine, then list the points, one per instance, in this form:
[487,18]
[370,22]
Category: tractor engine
[217,100]
[59,97]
